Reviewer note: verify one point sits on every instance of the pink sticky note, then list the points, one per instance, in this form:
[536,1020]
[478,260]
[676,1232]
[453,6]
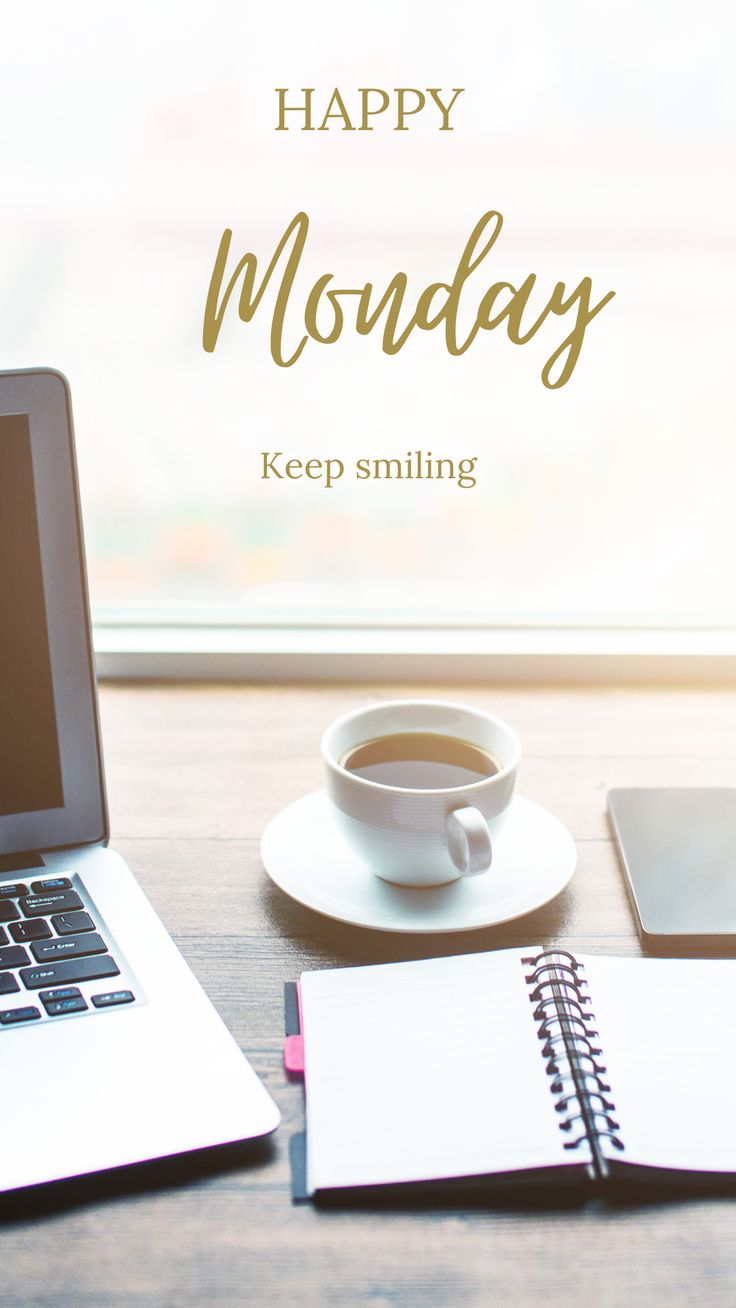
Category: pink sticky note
[294,1055]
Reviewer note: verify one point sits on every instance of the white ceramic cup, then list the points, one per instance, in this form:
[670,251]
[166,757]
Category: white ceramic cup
[421,837]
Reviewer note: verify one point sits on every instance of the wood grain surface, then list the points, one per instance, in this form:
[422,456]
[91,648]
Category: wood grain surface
[194,774]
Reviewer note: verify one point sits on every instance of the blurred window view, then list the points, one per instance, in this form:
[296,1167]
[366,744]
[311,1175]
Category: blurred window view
[132,136]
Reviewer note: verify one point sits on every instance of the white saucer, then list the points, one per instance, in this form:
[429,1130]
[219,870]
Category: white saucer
[306,855]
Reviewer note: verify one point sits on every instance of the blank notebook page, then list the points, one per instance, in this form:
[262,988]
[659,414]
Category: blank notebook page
[666,1028]
[427,1070]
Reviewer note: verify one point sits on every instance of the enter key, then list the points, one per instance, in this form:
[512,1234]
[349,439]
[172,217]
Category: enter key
[49,951]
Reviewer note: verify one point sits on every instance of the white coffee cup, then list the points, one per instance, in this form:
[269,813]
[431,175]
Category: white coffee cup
[421,837]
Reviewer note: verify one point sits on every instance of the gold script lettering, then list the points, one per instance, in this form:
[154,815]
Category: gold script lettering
[438,303]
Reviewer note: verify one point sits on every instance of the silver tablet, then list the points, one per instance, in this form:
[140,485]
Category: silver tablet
[678,851]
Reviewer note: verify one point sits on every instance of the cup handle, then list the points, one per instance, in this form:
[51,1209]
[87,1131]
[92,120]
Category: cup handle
[469,841]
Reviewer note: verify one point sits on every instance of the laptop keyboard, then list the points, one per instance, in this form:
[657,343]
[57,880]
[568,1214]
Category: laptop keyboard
[56,955]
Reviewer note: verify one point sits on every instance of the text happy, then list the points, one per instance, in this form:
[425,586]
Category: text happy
[437,306]
[351,114]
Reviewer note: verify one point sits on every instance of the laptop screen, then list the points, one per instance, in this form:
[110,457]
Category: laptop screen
[51,787]
[30,764]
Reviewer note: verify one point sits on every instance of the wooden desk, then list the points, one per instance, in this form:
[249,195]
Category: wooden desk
[194,773]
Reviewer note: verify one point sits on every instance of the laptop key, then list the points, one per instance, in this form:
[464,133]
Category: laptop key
[13,956]
[13,891]
[72,969]
[41,905]
[8,983]
[36,929]
[47,951]
[49,884]
[64,992]
[8,911]
[3,936]
[57,1007]
[68,924]
[12,1015]
[113,997]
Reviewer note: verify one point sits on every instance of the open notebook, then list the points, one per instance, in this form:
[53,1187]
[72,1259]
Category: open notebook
[517,1064]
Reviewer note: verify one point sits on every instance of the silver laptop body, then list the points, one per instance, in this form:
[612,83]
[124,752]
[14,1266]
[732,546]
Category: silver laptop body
[106,1039]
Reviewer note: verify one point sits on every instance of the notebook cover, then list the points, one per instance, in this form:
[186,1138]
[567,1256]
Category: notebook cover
[292,1019]
[547,1187]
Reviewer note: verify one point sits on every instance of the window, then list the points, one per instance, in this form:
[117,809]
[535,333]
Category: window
[129,145]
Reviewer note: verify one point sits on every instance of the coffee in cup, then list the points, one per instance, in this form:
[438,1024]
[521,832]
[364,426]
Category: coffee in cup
[420,760]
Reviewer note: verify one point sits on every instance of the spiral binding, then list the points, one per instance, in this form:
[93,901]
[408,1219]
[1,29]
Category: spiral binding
[565,1025]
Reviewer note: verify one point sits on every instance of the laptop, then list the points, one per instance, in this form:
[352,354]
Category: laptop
[108,1047]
